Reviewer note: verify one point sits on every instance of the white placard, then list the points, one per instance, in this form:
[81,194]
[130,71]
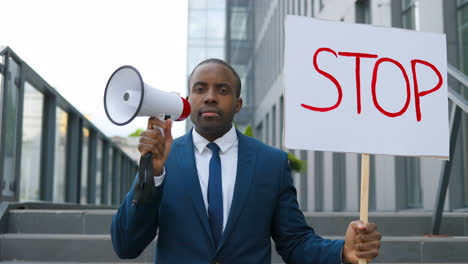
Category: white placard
[400,107]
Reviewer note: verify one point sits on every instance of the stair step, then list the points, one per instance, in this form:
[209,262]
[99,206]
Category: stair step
[60,221]
[64,248]
[390,224]
[415,249]
[98,222]
[98,248]
[332,224]
[68,262]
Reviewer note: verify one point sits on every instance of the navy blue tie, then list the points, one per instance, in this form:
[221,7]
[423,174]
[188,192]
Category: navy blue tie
[215,194]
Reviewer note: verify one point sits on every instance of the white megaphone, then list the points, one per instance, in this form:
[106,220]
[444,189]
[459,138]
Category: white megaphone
[127,96]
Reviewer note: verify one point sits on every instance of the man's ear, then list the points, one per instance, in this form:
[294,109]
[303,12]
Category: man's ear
[238,104]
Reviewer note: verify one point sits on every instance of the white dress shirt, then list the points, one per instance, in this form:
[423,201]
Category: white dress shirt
[228,145]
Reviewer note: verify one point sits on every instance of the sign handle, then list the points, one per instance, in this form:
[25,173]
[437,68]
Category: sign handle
[364,208]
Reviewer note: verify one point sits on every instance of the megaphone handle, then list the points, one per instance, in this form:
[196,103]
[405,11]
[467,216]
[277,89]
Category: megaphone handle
[143,190]
[144,187]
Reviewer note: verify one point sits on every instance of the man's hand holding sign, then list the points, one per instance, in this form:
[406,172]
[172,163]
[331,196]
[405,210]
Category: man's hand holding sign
[364,89]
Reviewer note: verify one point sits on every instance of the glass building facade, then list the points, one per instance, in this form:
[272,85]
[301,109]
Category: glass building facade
[223,29]
[254,46]
[206,31]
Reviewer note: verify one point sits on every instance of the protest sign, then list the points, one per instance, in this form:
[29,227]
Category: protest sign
[365,89]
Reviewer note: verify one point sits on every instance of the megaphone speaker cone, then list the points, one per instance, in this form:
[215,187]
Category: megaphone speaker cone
[127,96]
[124,95]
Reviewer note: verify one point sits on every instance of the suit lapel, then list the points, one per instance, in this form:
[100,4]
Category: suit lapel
[186,160]
[245,168]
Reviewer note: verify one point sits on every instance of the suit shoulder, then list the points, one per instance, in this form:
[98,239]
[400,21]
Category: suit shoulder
[178,140]
[182,139]
[264,148]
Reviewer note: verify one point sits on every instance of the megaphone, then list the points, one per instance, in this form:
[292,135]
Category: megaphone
[127,96]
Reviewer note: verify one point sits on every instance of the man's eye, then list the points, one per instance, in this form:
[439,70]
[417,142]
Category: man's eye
[223,91]
[198,89]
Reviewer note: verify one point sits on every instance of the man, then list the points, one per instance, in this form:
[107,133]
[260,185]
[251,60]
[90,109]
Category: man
[223,203]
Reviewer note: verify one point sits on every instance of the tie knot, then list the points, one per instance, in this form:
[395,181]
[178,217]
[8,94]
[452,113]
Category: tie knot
[214,147]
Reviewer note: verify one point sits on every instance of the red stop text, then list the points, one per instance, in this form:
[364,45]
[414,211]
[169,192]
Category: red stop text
[417,94]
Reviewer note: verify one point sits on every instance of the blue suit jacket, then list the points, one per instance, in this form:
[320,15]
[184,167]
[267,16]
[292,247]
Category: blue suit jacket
[264,205]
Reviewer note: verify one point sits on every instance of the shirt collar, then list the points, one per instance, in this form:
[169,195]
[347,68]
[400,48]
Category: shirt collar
[225,142]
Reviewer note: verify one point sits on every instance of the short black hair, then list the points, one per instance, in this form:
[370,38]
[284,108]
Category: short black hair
[219,61]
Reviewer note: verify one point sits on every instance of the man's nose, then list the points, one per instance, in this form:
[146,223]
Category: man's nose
[211,96]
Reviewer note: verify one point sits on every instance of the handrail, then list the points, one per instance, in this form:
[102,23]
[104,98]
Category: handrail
[3,215]
[458,99]
[52,99]
[457,74]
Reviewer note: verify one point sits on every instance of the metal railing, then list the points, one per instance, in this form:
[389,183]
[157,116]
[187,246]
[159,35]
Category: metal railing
[107,179]
[459,104]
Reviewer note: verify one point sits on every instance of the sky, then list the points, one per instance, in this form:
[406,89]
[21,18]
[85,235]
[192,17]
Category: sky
[76,45]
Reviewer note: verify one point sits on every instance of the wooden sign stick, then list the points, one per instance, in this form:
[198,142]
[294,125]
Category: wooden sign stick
[364,208]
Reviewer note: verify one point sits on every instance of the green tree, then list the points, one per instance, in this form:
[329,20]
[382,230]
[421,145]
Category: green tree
[136,133]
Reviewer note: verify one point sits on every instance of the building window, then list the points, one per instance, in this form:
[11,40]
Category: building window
[259,132]
[115,176]
[241,70]
[462,11]
[239,28]
[267,130]
[465,181]
[216,24]
[463,35]
[110,173]
[60,155]
[206,31]
[413,182]
[2,62]
[362,11]
[281,120]
[339,181]
[84,166]
[309,7]
[321,5]
[304,183]
[410,14]
[318,180]
[409,190]
[273,126]
[99,171]
[31,145]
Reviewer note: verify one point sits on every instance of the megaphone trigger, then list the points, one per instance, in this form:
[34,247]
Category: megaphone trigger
[162,117]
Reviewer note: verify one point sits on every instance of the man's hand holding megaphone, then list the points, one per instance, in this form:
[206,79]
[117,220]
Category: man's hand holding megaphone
[126,97]
[157,142]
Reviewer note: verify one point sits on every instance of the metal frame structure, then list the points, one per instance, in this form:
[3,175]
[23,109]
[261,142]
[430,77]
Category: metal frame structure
[74,146]
[459,104]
